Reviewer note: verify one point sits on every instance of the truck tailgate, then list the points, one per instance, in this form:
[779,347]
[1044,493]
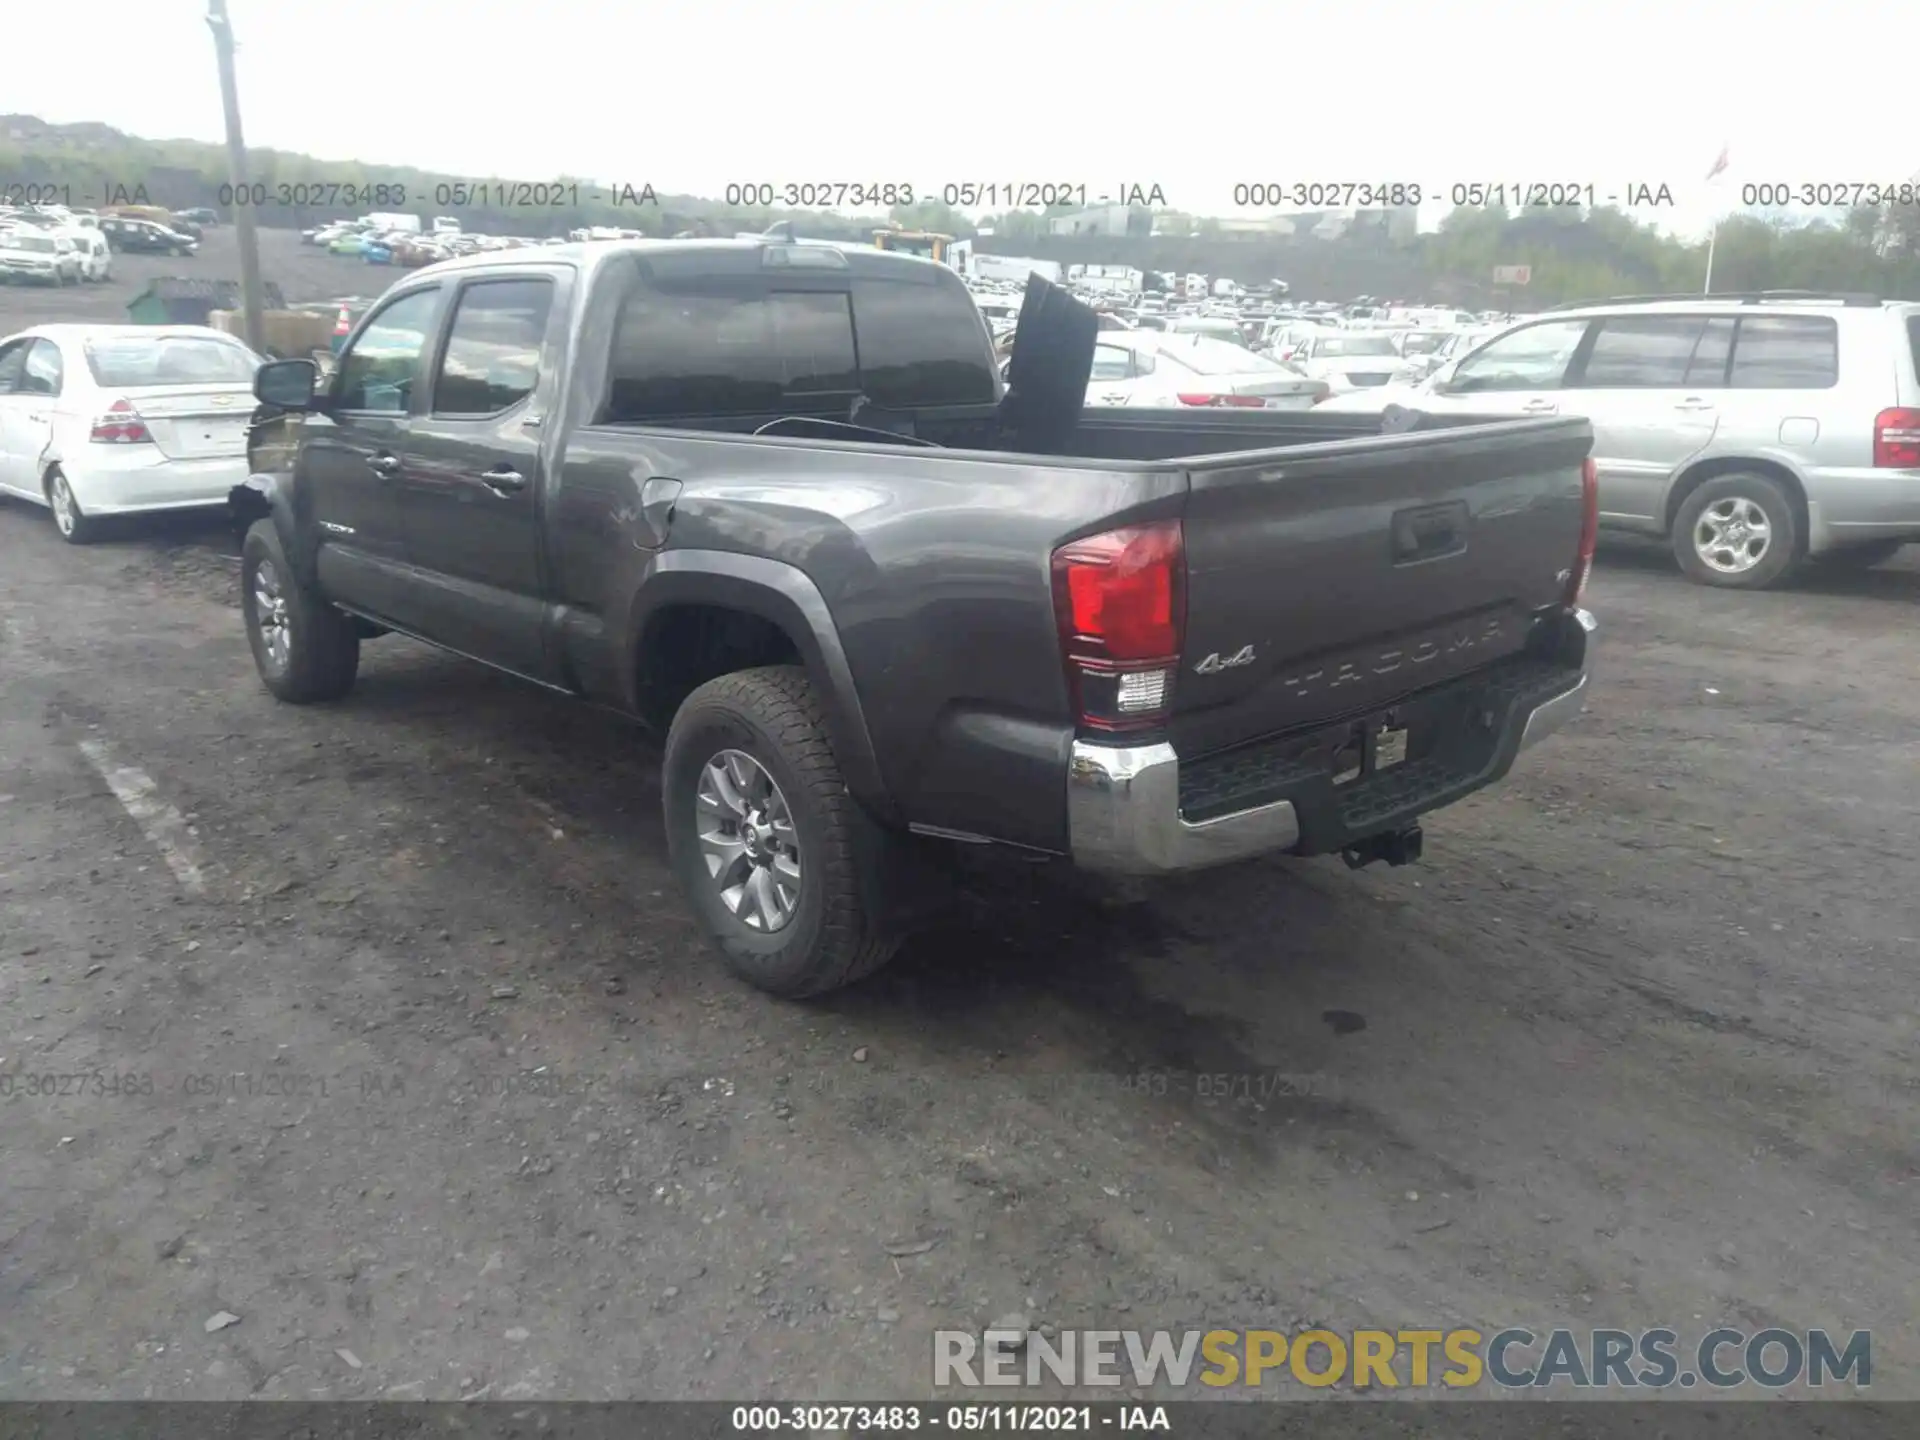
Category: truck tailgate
[1327,580]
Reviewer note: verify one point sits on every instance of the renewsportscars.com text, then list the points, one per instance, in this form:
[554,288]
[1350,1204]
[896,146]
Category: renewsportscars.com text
[1511,1359]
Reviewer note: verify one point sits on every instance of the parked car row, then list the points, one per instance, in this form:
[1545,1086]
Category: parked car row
[378,241]
[34,248]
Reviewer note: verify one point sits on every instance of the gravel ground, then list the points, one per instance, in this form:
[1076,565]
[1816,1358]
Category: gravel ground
[1633,1047]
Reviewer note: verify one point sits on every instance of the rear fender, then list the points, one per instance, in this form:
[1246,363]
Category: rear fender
[786,596]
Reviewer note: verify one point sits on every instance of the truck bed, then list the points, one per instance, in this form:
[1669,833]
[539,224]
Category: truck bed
[934,563]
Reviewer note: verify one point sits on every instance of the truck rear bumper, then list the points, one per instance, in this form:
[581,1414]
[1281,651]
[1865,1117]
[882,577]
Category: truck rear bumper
[1131,809]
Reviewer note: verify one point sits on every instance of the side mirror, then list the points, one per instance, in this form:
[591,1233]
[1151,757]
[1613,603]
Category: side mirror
[287,384]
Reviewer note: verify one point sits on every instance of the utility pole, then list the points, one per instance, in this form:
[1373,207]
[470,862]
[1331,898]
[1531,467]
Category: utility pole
[252,302]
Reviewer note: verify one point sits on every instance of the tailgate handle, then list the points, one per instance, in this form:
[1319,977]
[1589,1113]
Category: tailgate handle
[1431,532]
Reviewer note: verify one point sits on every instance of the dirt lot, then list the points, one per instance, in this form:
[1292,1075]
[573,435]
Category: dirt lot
[302,272]
[405,1049]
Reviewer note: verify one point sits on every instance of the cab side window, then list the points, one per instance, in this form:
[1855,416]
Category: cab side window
[492,359]
[377,374]
[1534,358]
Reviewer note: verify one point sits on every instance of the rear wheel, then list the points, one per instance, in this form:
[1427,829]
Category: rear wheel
[76,527]
[766,838]
[305,650]
[1738,532]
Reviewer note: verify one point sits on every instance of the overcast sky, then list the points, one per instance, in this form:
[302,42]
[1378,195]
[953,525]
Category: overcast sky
[1194,97]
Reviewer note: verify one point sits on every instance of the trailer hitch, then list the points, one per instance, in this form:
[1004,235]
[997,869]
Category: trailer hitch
[1396,847]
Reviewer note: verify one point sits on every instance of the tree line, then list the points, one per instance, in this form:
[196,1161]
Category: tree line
[1571,253]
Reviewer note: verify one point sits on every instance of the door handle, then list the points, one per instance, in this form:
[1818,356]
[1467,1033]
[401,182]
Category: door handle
[384,465]
[1540,407]
[504,481]
[1690,403]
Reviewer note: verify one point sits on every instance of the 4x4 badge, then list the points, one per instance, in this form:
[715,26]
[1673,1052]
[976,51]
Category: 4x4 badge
[1214,664]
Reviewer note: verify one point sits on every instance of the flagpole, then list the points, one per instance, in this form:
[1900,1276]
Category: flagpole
[1713,231]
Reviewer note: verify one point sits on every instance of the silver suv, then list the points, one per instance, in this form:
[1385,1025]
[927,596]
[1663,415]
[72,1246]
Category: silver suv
[1755,431]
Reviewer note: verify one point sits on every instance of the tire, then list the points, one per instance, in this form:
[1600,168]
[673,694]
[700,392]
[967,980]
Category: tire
[1753,519]
[74,525]
[1859,557]
[306,651]
[772,718]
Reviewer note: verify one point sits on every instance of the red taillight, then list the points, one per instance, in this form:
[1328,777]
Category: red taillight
[1589,531]
[1250,402]
[120,425]
[1120,602]
[1896,439]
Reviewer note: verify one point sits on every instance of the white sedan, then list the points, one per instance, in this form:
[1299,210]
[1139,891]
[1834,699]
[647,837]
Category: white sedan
[1349,360]
[1167,370]
[99,420]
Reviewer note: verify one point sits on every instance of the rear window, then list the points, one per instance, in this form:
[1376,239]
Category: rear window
[723,349]
[921,345]
[1346,346]
[169,360]
[1913,342]
[1785,352]
[1206,356]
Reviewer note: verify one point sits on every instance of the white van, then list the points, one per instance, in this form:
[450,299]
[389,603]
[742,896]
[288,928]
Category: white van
[96,257]
[386,220]
[445,225]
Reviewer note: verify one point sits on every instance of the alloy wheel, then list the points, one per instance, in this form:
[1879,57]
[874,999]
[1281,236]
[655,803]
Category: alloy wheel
[62,501]
[1732,535]
[748,841]
[270,614]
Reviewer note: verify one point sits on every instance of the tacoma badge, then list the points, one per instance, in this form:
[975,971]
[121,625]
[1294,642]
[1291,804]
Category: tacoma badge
[1213,664]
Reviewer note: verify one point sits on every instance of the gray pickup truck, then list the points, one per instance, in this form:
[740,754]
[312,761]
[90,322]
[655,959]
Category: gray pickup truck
[774,499]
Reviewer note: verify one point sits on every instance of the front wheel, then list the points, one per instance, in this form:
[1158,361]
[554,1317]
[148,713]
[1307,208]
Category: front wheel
[305,650]
[1738,532]
[765,837]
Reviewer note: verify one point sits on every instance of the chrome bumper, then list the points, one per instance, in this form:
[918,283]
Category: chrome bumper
[1123,802]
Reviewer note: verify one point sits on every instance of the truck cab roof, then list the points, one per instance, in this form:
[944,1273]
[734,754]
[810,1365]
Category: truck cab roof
[719,257]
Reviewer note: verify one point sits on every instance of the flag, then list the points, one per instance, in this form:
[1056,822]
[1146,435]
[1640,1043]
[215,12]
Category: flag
[1718,165]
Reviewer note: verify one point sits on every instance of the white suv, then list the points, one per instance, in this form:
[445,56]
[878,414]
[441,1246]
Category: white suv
[1755,431]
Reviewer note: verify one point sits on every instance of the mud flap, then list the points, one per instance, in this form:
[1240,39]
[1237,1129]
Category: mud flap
[904,883]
